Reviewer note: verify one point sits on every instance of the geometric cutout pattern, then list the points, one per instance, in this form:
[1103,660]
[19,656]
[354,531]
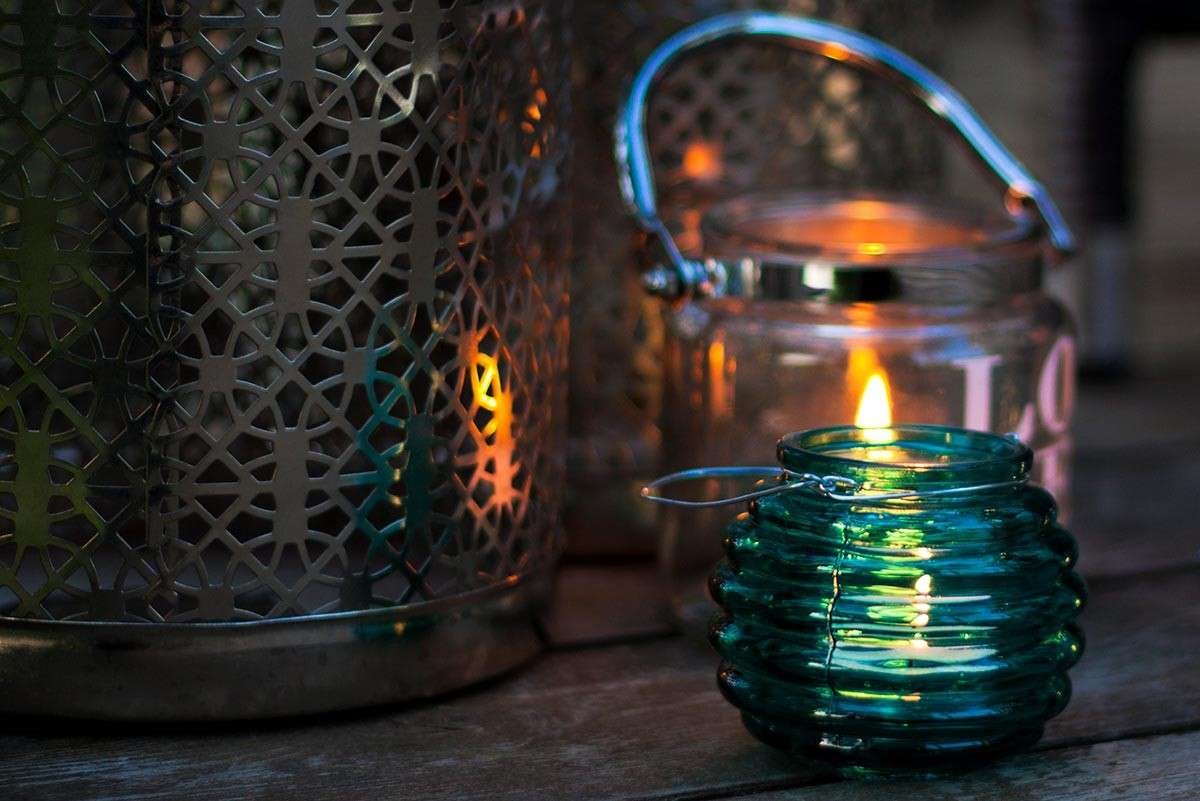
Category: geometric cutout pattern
[283,314]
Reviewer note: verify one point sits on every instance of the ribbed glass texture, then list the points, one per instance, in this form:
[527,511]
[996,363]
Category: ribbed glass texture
[919,635]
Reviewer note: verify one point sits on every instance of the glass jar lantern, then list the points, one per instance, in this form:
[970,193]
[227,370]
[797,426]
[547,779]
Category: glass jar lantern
[812,309]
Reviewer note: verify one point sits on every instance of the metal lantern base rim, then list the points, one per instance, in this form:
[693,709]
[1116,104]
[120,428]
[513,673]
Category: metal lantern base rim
[273,668]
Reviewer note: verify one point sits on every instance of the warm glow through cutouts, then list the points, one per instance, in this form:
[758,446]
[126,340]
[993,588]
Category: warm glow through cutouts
[701,161]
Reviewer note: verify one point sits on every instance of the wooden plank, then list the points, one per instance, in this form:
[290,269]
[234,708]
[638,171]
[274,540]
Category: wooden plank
[1138,413]
[1139,672]
[596,604]
[1137,509]
[591,723]
[625,721]
[1145,769]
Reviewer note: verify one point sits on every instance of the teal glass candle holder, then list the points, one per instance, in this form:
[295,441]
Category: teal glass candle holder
[897,600]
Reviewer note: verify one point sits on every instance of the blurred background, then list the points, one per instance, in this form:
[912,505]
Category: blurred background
[1099,99]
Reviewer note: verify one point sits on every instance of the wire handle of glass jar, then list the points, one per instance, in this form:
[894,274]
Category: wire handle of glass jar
[836,488]
[632,151]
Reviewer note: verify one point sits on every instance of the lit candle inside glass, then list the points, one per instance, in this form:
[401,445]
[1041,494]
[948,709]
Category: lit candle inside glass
[913,633]
[874,417]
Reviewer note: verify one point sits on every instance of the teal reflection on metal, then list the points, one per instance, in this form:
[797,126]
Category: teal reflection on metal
[918,635]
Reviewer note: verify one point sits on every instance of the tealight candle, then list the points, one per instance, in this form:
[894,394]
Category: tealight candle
[899,603]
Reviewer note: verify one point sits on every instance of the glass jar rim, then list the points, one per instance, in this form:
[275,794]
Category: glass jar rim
[977,457]
[943,231]
[850,247]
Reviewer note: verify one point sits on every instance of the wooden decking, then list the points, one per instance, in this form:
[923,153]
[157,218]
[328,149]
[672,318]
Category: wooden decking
[622,707]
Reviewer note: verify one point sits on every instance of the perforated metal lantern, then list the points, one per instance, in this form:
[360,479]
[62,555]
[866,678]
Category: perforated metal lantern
[282,338]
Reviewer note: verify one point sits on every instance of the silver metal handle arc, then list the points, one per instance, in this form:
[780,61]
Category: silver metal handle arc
[839,44]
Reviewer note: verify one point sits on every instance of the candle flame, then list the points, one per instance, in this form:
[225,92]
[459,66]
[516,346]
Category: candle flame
[702,162]
[721,368]
[875,409]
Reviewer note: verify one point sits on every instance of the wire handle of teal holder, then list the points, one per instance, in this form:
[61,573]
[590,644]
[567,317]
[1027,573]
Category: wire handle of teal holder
[837,488]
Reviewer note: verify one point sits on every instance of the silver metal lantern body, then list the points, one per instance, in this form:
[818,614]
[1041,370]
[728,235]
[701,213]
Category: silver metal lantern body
[794,309]
[284,322]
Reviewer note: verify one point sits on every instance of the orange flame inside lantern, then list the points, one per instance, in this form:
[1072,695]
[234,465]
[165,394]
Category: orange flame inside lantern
[493,394]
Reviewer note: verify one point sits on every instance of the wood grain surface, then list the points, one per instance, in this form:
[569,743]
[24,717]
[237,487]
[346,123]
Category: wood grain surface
[628,720]
[622,708]
[1144,769]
